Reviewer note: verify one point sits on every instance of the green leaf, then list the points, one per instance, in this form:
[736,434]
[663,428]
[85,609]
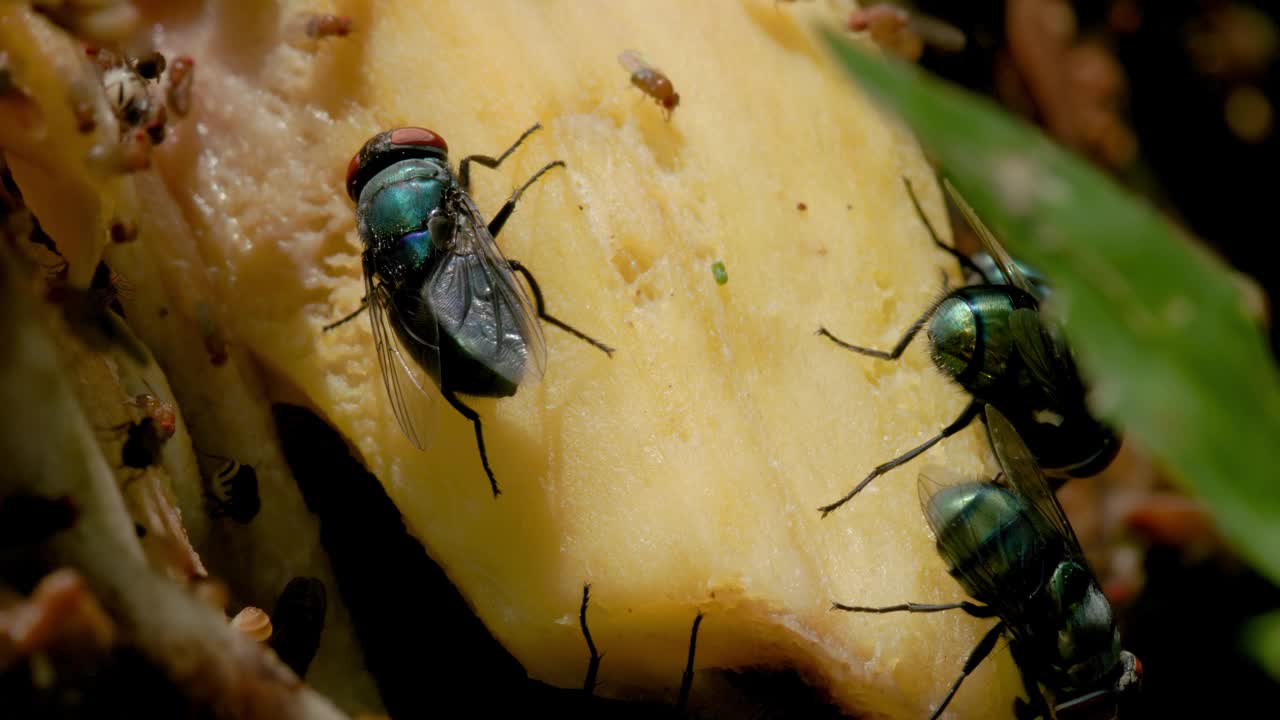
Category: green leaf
[1262,640]
[1158,324]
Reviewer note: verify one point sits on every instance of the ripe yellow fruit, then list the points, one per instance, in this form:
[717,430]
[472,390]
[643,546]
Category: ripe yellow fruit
[684,473]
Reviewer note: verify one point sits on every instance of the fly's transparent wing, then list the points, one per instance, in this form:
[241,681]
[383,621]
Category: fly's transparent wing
[408,364]
[1029,482]
[632,62]
[989,242]
[933,479]
[478,302]
[937,32]
[1048,359]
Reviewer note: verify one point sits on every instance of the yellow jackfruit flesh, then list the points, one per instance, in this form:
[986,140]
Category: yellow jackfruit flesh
[684,473]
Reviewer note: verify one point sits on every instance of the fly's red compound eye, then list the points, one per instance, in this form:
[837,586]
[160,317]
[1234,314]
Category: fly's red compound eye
[416,136]
[387,148]
[352,168]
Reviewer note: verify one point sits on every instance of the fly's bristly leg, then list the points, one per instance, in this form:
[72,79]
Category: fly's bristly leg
[964,260]
[593,666]
[504,213]
[970,412]
[474,417]
[978,611]
[979,653]
[364,305]
[464,168]
[542,309]
[897,350]
[686,680]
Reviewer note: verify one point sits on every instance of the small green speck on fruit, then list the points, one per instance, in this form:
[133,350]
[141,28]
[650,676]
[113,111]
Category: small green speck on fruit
[718,271]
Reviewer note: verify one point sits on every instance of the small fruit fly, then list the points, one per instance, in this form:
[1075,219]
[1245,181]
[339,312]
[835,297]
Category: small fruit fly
[904,32]
[178,93]
[321,25]
[651,80]
[161,413]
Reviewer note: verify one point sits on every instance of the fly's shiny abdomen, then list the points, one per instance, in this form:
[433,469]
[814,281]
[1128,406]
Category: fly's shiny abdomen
[395,209]
[970,337]
[1087,645]
[1074,444]
[984,530]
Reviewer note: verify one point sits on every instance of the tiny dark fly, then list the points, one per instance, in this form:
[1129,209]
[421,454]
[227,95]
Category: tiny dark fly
[239,486]
[444,303]
[181,78]
[145,438]
[142,443]
[128,83]
[161,412]
[322,25]
[993,341]
[906,32]
[1010,547]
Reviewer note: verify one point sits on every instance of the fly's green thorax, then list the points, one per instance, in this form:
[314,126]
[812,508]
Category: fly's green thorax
[396,208]
[970,337]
